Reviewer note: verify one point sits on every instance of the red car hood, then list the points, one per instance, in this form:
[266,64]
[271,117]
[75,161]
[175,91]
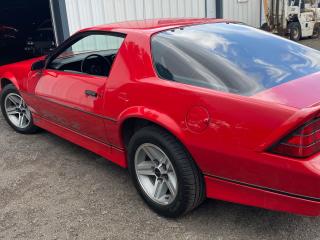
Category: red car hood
[300,93]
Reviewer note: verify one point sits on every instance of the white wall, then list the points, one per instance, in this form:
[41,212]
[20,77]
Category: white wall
[87,13]
[211,8]
[247,11]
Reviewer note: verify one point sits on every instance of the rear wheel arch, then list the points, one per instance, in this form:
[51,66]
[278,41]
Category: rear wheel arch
[132,124]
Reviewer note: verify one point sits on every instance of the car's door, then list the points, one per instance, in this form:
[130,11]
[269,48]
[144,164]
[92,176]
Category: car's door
[69,97]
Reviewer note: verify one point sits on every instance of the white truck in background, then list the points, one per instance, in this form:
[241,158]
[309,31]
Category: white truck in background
[296,18]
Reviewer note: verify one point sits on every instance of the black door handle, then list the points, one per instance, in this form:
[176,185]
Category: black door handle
[91,93]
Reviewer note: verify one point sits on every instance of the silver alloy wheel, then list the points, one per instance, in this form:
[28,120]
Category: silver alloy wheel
[17,111]
[156,174]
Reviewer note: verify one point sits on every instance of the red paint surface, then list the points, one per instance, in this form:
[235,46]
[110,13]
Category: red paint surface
[232,146]
[301,93]
[198,119]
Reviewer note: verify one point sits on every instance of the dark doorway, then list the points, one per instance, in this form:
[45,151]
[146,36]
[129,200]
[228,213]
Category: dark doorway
[219,8]
[21,24]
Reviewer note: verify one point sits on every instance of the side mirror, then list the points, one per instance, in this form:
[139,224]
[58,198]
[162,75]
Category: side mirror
[38,65]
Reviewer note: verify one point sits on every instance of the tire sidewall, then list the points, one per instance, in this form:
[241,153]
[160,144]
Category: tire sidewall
[139,139]
[7,90]
[316,33]
[295,26]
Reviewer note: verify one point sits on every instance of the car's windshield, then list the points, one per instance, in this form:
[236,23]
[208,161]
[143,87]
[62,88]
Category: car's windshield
[231,58]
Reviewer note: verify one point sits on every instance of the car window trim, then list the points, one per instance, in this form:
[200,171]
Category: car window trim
[76,73]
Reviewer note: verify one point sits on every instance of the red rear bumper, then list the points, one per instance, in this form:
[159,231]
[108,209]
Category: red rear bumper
[226,190]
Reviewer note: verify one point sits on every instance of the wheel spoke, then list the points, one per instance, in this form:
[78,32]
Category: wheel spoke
[21,118]
[170,187]
[16,101]
[151,153]
[159,189]
[12,111]
[169,167]
[24,105]
[21,104]
[28,116]
[165,161]
[145,168]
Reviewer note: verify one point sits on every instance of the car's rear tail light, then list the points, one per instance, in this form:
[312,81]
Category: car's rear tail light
[302,143]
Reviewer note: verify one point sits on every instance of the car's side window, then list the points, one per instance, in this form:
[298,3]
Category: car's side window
[95,43]
[93,54]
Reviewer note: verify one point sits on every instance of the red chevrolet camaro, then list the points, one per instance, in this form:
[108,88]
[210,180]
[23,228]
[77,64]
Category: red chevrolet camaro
[194,108]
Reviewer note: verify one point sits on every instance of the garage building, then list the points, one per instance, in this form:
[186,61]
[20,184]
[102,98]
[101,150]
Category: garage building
[71,15]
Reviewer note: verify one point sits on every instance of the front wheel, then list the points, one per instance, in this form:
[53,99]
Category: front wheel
[15,111]
[295,31]
[164,173]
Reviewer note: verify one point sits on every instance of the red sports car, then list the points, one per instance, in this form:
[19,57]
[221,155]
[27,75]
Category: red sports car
[194,108]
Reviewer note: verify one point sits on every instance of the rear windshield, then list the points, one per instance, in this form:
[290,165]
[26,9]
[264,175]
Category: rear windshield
[231,58]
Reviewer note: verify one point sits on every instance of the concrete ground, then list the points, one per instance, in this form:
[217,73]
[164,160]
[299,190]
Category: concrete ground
[314,43]
[52,189]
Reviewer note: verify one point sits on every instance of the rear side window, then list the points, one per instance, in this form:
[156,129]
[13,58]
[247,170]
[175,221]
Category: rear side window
[231,58]
[94,43]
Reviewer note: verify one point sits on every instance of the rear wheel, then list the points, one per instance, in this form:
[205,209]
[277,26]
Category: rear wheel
[15,111]
[316,31]
[164,173]
[295,31]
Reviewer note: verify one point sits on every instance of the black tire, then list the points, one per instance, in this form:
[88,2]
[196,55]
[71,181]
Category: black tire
[31,128]
[191,188]
[265,27]
[316,32]
[294,31]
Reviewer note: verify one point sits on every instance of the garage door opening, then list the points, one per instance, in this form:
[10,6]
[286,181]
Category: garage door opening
[25,29]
